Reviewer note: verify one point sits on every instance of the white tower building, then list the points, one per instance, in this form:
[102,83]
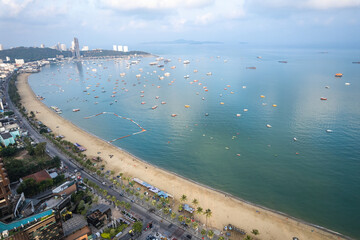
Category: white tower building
[1,47]
[114,48]
[63,47]
[120,48]
[126,49]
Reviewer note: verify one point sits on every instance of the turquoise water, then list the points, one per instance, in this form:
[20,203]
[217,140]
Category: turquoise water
[315,178]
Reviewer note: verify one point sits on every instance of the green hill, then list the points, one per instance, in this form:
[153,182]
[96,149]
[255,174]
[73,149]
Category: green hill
[33,54]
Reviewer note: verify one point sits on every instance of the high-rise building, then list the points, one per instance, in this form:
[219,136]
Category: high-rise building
[7,59]
[63,47]
[126,49]
[76,48]
[85,48]
[114,48]
[1,47]
[5,193]
[42,45]
[120,48]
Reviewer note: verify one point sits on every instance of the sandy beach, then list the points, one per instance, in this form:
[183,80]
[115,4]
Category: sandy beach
[225,209]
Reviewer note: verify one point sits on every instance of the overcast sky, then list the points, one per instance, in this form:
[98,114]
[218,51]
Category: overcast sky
[101,23]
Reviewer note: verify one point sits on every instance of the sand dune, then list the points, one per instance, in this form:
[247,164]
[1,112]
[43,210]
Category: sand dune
[225,208]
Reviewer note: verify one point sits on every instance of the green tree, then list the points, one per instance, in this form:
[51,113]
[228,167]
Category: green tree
[166,211]
[195,225]
[248,237]
[127,206]
[210,234]
[183,198]
[137,226]
[180,208]
[181,218]
[188,221]
[199,210]
[203,232]
[221,238]
[173,215]
[255,232]
[195,202]
[113,198]
[40,148]
[208,214]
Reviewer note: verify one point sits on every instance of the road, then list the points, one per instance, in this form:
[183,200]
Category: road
[161,225]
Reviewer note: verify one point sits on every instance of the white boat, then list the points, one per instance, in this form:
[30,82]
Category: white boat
[268,125]
[209,73]
[186,62]
[186,76]
[76,109]
[329,131]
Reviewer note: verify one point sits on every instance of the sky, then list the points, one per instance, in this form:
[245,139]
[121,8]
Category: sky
[102,23]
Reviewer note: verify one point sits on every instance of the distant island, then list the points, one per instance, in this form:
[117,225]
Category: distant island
[30,54]
[183,41]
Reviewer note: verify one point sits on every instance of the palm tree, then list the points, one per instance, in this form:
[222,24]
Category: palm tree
[181,218]
[199,210]
[166,211]
[195,225]
[173,215]
[153,202]
[183,198]
[188,221]
[221,238]
[255,232]
[180,207]
[113,198]
[210,234]
[248,237]
[195,202]
[208,214]
[203,232]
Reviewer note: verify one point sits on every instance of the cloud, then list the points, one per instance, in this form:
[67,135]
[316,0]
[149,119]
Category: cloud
[13,7]
[126,5]
[311,4]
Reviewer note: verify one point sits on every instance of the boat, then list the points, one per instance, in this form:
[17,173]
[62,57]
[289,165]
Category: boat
[245,110]
[250,67]
[338,75]
[173,67]
[259,57]
[187,106]
[206,114]
[153,63]
[274,105]
[268,125]
[222,103]
[186,76]
[173,115]
[143,103]
[167,60]
[283,62]
[327,87]
[186,62]
[323,98]
[295,139]
[141,95]
[163,102]
[203,98]
[347,84]
[238,115]
[329,131]
[154,107]
[157,97]
[195,70]
[262,96]
[96,97]
[209,73]
[76,109]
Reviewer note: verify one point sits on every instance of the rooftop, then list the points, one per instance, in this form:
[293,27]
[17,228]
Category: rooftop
[38,176]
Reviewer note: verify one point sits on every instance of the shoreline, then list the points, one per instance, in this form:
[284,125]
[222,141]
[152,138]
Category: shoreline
[226,209]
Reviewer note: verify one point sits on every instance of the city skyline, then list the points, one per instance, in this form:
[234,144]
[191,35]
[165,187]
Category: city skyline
[103,23]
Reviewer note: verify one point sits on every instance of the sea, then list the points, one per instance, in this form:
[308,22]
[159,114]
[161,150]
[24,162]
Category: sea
[249,121]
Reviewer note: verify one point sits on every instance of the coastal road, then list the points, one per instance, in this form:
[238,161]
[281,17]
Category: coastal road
[161,225]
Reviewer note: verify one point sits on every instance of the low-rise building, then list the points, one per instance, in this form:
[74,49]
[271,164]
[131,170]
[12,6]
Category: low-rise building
[66,188]
[98,215]
[38,176]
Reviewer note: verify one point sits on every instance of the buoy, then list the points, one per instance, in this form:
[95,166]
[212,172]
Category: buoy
[262,96]
[338,75]
[274,105]
[187,106]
